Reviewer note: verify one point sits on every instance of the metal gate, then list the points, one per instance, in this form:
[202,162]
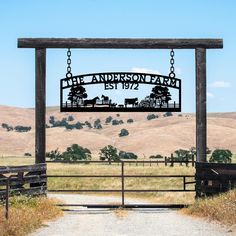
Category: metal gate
[122,176]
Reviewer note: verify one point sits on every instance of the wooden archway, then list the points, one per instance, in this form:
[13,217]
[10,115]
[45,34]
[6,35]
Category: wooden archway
[41,44]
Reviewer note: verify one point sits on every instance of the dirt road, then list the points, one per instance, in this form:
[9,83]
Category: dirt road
[104,222]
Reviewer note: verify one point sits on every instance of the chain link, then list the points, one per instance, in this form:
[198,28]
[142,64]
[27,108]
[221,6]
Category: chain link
[68,74]
[172,62]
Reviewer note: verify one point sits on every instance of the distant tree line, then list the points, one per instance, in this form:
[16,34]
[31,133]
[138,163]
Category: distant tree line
[72,153]
[76,153]
[64,122]
[18,128]
[217,156]
[111,153]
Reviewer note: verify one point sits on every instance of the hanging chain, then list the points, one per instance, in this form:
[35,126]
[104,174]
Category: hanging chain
[172,61]
[68,74]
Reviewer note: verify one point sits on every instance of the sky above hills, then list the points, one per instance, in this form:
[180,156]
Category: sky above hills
[105,18]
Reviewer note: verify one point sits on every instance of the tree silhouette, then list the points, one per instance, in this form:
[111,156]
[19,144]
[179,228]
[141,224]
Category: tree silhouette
[161,95]
[77,94]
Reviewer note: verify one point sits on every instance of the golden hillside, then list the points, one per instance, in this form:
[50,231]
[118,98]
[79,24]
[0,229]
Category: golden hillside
[159,136]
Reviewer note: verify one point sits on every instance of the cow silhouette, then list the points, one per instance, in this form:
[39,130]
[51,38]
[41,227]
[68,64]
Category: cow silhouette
[131,101]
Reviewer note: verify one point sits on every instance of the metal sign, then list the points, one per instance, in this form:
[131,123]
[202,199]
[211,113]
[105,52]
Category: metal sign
[120,91]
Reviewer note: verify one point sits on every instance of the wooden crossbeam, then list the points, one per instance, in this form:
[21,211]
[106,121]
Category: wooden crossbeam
[119,43]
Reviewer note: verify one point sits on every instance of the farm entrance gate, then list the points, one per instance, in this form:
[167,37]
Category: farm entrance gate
[41,44]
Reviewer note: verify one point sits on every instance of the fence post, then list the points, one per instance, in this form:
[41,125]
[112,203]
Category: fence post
[184,180]
[165,161]
[172,160]
[192,160]
[7,197]
[123,184]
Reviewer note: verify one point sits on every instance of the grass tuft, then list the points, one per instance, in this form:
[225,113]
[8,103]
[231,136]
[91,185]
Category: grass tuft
[27,214]
[221,208]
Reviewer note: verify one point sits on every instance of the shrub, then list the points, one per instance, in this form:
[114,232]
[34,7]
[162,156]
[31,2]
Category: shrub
[124,132]
[78,125]
[54,155]
[193,151]
[27,154]
[70,118]
[182,154]
[62,123]
[20,128]
[121,122]
[69,126]
[4,125]
[151,116]
[158,156]
[97,124]
[47,126]
[180,115]
[168,113]
[109,152]
[7,127]
[76,152]
[115,122]
[108,120]
[127,155]
[221,156]
[52,120]
[118,115]
[130,121]
[88,124]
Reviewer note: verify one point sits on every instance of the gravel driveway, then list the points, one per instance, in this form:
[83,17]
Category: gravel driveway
[104,222]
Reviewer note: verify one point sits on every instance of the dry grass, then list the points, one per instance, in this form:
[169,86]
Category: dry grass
[159,136]
[121,213]
[221,208]
[115,183]
[27,214]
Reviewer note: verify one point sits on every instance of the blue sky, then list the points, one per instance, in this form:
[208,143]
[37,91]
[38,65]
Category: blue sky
[123,18]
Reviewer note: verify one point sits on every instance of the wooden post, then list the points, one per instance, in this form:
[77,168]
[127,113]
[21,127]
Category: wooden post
[172,160]
[192,160]
[165,161]
[40,78]
[201,121]
[7,197]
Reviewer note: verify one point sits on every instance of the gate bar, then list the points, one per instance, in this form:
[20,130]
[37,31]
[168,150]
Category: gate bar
[173,206]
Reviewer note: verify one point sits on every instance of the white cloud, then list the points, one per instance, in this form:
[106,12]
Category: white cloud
[220,84]
[144,70]
[210,95]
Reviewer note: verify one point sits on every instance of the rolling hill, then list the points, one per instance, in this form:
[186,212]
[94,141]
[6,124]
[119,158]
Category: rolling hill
[159,136]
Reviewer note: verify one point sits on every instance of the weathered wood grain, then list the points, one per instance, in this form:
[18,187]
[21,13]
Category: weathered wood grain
[40,104]
[201,116]
[28,168]
[119,43]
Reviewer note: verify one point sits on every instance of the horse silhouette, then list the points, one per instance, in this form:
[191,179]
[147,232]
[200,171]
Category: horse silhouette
[105,98]
[91,101]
